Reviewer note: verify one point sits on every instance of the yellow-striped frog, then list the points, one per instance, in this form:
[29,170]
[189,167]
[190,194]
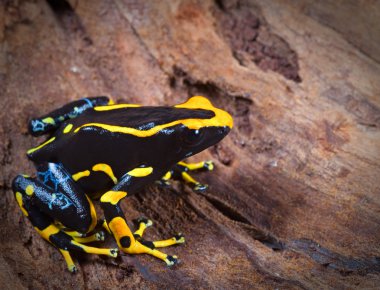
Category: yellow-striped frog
[100,150]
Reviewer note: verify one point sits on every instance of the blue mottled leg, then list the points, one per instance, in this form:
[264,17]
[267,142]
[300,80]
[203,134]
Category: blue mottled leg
[56,194]
[54,119]
[45,225]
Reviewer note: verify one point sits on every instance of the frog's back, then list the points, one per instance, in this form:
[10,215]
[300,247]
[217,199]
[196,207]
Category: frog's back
[101,129]
[119,137]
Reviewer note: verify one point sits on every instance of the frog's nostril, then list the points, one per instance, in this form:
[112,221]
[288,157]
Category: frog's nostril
[224,130]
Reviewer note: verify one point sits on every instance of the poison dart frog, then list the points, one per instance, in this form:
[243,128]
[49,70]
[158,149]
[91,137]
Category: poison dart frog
[98,150]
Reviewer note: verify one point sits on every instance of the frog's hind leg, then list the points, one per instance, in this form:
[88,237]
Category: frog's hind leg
[181,171]
[46,227]
[54,119]
[45,202]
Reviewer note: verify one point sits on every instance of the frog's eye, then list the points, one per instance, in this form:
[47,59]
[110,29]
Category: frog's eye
[193,137]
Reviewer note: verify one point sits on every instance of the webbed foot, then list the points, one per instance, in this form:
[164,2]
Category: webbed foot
[152,245]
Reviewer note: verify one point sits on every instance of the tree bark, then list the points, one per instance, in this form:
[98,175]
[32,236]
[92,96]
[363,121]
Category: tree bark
[293,202]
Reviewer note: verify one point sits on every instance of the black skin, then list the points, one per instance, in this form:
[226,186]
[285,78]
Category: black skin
[55,196]
[123,152]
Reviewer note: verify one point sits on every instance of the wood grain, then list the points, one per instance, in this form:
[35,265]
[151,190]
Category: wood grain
[294,200]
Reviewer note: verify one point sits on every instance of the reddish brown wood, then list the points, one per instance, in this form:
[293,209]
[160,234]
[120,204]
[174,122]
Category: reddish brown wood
[294,199]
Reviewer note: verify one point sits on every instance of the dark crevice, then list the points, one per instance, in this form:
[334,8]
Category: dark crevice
[323,256]
[234,215]
[263,237]
[60,7]
[329,259]
[226,210]
[69,20]
[251,40]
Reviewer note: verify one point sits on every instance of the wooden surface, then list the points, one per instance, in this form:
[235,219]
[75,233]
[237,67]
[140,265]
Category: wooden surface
[294,200]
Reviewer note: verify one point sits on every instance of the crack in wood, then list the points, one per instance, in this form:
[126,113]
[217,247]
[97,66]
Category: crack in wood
[69,20]
[345,265]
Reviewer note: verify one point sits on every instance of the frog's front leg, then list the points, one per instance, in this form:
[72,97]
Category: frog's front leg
[181,171]
[129,242]
[54,202]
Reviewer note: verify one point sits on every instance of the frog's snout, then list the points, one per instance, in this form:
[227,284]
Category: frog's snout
[224,130]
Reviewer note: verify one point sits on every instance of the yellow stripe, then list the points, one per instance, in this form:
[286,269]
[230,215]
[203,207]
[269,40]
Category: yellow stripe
[140,172]
[106,169]
[97,251]
[113,197]
[42,145]
[113,107]
[220,119]
[94,220]
[81,174]
[68,128]
[20,203]
[47,232]
[167,175]
[68,259]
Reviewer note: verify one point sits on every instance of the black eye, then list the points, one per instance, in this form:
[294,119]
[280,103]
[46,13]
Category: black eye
[193,137]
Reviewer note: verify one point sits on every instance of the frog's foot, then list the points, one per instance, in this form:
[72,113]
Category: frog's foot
[181,171]
[149,247]
[145,223]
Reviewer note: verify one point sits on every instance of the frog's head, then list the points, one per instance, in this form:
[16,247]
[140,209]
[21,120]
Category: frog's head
[203,127]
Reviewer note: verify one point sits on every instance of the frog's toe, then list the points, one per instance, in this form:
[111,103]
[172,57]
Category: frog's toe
[180,239]
[100,236]
[143,224]
[73,269]
[145,221]
[209,165]
[163,183]
[171,260]
[114,252]
[199,187]
[177,239]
